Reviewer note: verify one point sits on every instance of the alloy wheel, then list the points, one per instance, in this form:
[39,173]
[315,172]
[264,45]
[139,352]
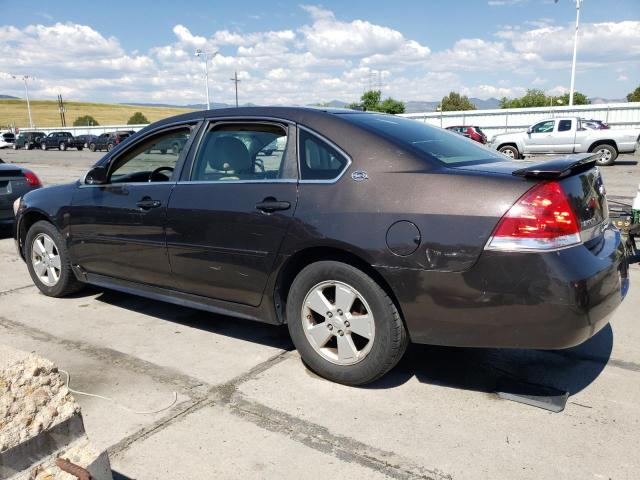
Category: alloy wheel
[605,155]
[45,259]
[338,322]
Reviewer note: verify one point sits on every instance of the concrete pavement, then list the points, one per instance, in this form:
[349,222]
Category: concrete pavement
[247,407]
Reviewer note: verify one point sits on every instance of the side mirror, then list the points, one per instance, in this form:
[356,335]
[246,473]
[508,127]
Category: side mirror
[96,176]
[529,130]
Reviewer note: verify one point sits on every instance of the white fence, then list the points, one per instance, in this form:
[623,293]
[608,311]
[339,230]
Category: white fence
[97,130]
[617,115]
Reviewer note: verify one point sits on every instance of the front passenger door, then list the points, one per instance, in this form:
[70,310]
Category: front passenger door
[539,140]
[118,228]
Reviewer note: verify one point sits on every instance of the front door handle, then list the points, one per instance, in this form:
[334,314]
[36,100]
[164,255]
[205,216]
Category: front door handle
[270,204]
[148,203]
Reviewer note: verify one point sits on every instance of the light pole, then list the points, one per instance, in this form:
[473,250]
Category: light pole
[26,91]
[575,51]
[205,56]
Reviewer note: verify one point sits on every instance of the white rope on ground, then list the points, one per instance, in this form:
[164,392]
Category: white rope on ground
[151,412]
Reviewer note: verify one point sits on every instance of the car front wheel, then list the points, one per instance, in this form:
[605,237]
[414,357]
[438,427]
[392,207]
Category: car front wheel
[510,151]
[343,324]
[48,261]
[43,146]
[92,147]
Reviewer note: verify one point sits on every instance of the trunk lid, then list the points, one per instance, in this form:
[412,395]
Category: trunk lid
[580,180]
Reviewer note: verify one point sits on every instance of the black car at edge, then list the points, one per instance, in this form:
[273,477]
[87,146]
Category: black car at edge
[366,232]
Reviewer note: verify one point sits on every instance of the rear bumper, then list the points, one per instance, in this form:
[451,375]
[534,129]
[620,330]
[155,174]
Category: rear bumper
[518,300]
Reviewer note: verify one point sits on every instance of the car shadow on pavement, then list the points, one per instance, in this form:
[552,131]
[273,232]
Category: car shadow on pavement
[626,162]
[6,231]
[489,369]
[276,336]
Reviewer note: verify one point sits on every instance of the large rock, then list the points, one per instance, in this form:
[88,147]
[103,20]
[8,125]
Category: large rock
[40,421]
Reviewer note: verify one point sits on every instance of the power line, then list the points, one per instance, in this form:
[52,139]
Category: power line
[236,81]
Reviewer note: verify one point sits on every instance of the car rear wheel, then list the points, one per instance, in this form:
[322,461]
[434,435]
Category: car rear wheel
[92,147]
[345,327]
[80,149]
[510,151]
[608,155]
[62,146]
[48,261]
[27,146]
[43,146]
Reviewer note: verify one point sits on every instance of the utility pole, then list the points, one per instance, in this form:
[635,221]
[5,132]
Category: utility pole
[235,80]
[26,91]
[205,56]
[575,51]
[62,109]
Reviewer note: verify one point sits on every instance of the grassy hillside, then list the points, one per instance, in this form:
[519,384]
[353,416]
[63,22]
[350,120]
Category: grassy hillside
[45,113]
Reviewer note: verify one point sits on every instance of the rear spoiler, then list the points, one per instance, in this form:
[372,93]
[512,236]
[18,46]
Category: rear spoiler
[559,167]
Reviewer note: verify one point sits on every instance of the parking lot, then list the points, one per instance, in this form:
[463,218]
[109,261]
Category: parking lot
[247,407]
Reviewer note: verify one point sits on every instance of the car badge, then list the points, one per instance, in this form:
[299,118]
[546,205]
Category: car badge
[359,175]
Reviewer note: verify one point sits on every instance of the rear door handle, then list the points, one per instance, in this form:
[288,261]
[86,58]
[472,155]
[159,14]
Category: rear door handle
[270,204]
[148,203]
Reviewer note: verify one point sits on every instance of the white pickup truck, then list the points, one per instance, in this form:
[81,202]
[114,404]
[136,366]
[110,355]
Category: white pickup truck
[567,135]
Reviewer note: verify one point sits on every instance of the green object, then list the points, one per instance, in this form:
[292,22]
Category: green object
[636,216]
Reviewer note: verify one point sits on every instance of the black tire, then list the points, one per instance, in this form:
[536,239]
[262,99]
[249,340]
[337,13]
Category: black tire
[110,147]
[510,151]
[163,151]
[27,146]
[175,149]
[67,283]
[92,147]
[389,342]
[15,147]
[609,154]
[80,149]
[62,147]
[43,146]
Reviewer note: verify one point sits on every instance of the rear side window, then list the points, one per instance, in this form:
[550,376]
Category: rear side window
[241,152]
[431,142]
[564,125]
[318,159]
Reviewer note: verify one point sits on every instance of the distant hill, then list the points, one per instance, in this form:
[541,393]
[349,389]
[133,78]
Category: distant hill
[413,106]
[598,100]
[9,97]
[193,106]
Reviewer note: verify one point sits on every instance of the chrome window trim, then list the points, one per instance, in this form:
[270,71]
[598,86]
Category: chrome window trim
[285,124]
[332,145]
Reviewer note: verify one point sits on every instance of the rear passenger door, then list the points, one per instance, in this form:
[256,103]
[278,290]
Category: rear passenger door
[563,139]
[230,211]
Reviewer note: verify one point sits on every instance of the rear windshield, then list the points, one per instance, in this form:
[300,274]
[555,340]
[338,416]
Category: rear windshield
[433,142]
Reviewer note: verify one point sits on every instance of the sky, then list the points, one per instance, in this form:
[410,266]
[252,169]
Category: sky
[287,52]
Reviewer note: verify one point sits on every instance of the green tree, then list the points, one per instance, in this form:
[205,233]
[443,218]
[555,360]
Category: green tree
[85,120]
[137,119]
[537,98]
[578,99]
[389,105]
[371,102]
[634,96]
[456,102]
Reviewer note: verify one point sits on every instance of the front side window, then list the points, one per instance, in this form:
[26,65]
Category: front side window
[152,160]
[543,127]
[319,160]
[241,151]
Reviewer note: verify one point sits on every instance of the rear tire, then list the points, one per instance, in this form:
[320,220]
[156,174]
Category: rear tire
[362,339]
[80,149]
[62,146]
[92,147]
[110,147]
[43,146]
[27,146]
[48,261]
[510,151]
[608,154]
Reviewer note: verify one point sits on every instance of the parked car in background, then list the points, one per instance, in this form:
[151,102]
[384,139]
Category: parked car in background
[472,132]
[28,140]
[7,139]
[86,139]
[594,124]
[107,141]
[61,141]
[567,135]
[367,231]
[15,181]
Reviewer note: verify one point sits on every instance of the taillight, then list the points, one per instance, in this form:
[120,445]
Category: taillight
[541,219]
[32,179]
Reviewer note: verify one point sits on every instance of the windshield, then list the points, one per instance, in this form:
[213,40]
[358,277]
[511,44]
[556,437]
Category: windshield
[433,142]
